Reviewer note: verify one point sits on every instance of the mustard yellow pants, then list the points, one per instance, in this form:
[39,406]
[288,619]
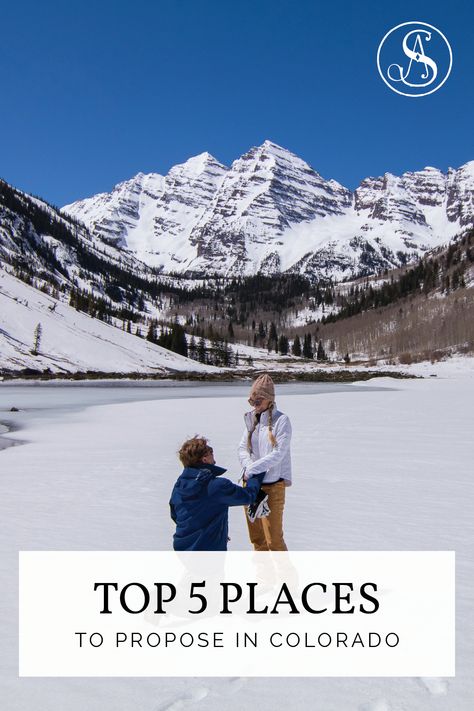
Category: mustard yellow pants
[266,534]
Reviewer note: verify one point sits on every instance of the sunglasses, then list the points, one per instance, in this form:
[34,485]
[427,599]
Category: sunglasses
[256,402]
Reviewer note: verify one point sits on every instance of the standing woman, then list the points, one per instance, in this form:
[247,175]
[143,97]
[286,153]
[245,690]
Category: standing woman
[265,447]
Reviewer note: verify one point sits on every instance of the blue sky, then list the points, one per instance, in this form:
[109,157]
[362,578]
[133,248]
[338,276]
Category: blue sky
[93,93]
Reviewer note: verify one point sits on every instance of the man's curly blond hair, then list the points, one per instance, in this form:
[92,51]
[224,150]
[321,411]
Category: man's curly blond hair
[193,450]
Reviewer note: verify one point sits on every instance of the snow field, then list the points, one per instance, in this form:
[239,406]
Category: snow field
[373,469]
[71,340]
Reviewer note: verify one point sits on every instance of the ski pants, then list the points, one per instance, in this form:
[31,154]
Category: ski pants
[266,534]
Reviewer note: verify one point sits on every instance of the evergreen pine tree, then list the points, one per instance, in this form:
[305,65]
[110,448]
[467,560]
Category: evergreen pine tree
[272,338]
[321,353]
[37,339]
[201,351]
[192,348]
[283,345]
[226,355]
[178,343]
[164,339]
[151,334]
[296,348]
[307,347]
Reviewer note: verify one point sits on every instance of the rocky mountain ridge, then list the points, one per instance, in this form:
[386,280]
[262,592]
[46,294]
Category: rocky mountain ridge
[271,212]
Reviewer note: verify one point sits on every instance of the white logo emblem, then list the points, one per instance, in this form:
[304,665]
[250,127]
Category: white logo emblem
[414,59]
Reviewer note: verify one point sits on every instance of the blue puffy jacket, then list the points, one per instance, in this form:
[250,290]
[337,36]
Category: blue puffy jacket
[199,506]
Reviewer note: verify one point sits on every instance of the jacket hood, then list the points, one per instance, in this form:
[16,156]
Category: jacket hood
[194,479]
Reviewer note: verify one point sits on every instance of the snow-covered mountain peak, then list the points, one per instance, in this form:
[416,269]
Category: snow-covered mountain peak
[196,165]
[110,216]
[130,184]
[460,195]
[264,193]
[272,149]
[274,157]
[272,211]
[271,145]
[468,167]
[466,172]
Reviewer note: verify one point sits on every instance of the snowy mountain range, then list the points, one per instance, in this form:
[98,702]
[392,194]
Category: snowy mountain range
[272,212]
[95,298]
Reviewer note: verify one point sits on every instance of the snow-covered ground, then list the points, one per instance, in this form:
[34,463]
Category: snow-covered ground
[383,465]
[71,340]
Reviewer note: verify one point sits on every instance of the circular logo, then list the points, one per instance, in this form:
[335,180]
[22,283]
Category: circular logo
[414,59]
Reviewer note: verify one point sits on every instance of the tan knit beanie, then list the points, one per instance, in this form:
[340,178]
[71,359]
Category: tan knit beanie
[263,387]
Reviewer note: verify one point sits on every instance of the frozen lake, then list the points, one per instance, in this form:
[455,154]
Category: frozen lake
[54,399]
[54,394]
[374,468]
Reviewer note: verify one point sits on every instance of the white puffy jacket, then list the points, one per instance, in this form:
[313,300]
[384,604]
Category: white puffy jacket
[275,461]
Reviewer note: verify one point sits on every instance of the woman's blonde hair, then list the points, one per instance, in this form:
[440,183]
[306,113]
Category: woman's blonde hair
[271,436]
